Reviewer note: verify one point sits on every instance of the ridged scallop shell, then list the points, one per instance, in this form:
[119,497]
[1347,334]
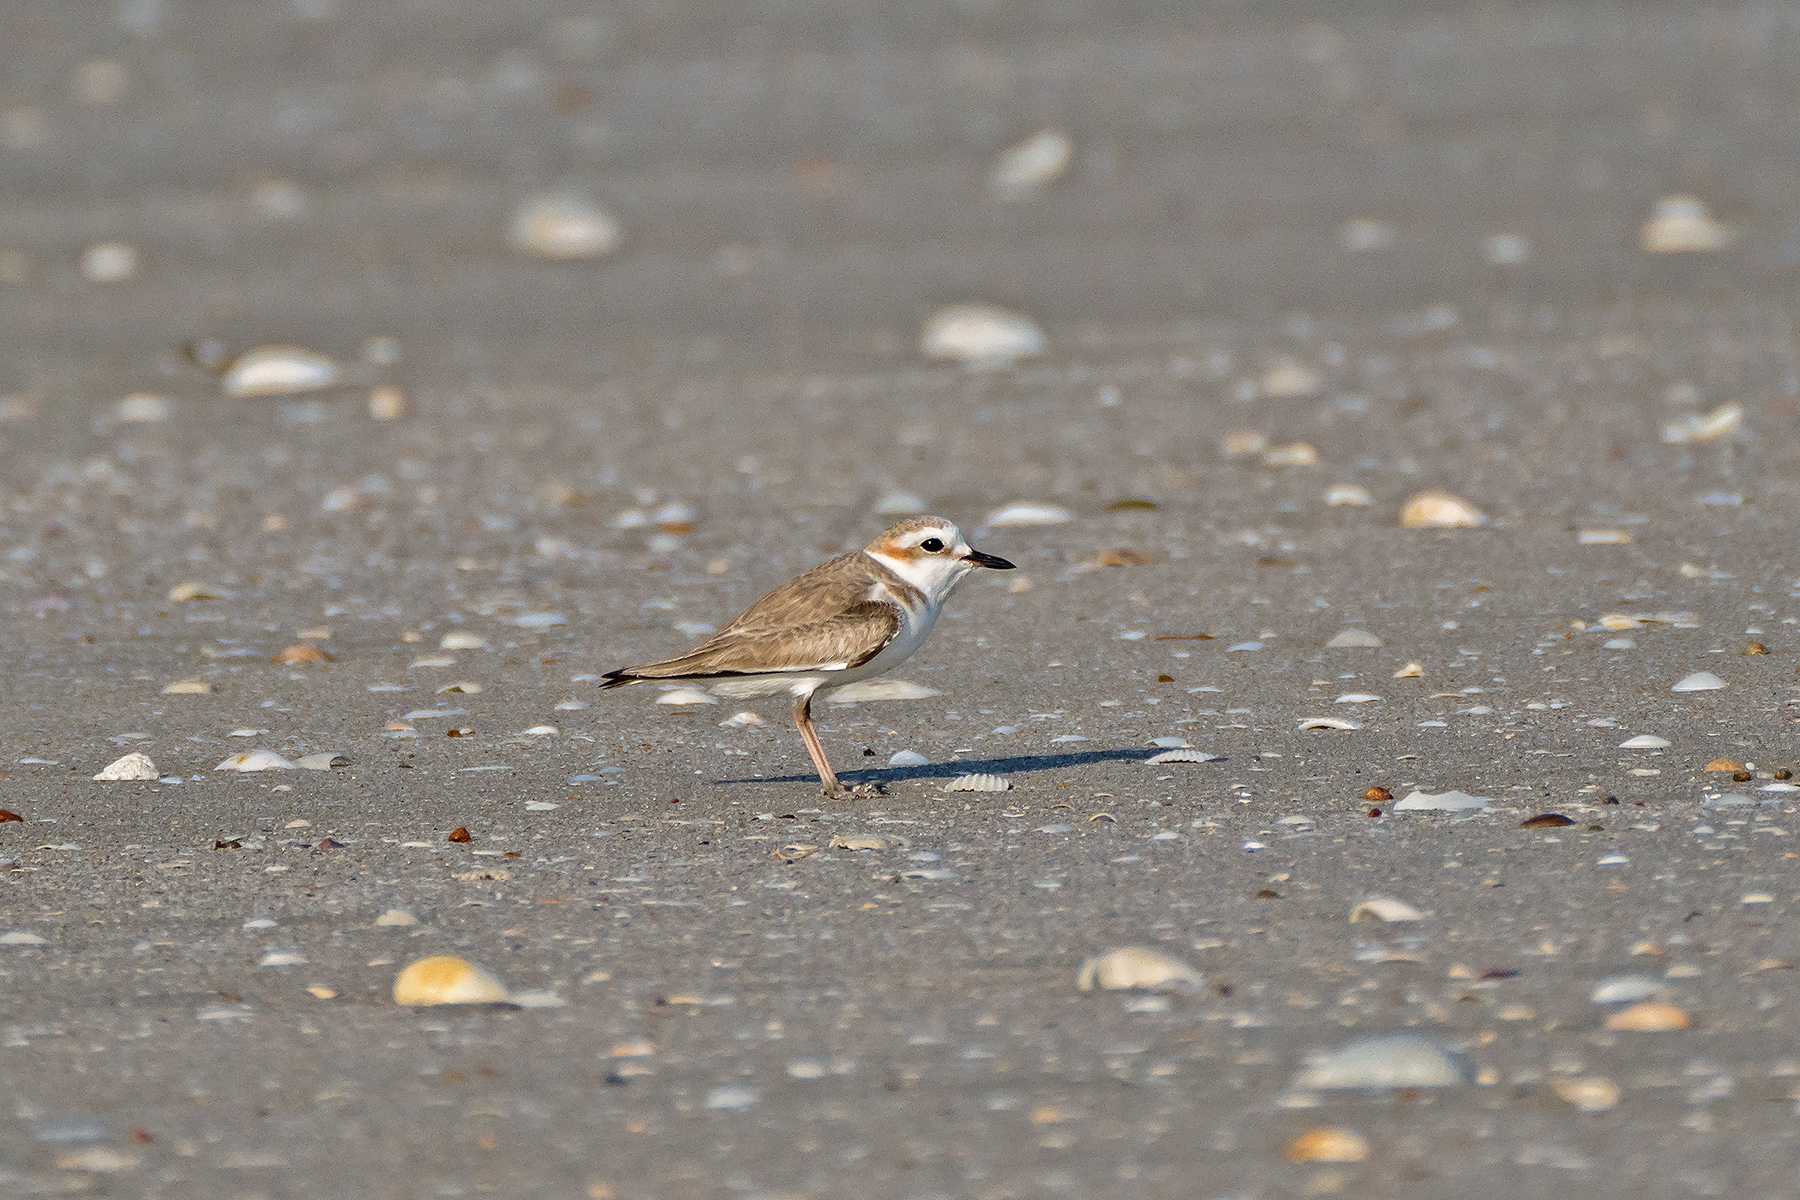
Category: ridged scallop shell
[978,783]
[1182,756]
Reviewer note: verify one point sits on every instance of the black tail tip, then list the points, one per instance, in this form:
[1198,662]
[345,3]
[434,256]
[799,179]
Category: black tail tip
[618,678]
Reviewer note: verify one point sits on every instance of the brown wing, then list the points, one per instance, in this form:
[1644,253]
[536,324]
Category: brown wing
[822,620]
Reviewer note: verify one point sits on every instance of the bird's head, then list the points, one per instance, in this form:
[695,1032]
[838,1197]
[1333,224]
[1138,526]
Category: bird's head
[931,554]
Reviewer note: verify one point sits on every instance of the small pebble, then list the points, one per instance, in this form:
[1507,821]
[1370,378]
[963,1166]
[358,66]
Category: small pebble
[1401,1060]
[134,766]
[109,262]
[1439,510]
[1682,225]
[981,336]
[446,979]
[1137,967]
[1650,1017]
[1328,1144]
[1383,908]
[563,226]
[280,371]
[1022,171]
[1354,638]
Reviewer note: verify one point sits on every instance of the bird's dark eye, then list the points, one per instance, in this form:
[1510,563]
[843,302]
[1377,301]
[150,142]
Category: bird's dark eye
[931,545]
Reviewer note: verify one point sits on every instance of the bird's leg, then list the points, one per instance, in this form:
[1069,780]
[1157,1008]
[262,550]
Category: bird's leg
[828,780]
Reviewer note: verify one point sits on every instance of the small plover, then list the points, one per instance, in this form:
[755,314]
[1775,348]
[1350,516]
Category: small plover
[855,616]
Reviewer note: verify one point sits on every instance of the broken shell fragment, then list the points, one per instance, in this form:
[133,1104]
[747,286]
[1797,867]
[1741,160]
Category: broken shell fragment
[300,654]
[142,408]
[1022,171]
[1645,741]
[1697,427]
[1681,225]
[1384,908]
[1603,537]
[1436,509]
[1441,802]
[563,226]
[1728,765]
[280,371]
[187,687]
[192,589]
[980,335]
[1024,513]
[1342,495]
[1411,670]
[1182,755]
[1353,637]
[1341,723]
[1137,967]
[1592,1094]
[1328,1144]
[447,979]
[1295,454]
[1625,989]
[323,761]
[1650,1017]
[462,641]
[396,917]
[134,766]
[1402,1060]
[255,760]
[1699,681]
[978,783]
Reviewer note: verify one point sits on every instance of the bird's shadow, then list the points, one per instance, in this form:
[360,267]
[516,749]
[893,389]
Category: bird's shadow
[1013,764]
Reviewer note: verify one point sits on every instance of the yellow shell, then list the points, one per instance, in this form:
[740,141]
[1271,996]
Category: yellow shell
[1650,1017]
[1328,1144]
[447,979]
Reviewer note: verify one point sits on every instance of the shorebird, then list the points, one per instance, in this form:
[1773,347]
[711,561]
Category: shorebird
[852,617]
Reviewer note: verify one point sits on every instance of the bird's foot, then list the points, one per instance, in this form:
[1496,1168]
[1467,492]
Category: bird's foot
[854,791]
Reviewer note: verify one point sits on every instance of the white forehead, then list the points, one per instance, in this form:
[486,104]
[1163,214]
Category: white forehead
[945,532]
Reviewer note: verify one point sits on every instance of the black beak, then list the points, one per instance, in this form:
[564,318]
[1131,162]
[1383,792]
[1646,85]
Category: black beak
[993,561]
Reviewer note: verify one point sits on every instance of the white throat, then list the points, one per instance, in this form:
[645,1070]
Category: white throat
[936,577]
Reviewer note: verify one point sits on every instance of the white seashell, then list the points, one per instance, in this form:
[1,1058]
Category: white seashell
[1132,967]
[1411,670]
[1439,510]
[1357,698]
[1696,427]
[1645,741]
[1506,249]
[980,335]
[907,758]
[1699,681]
[1779,787]
[187,687]
[899,502]
[1399,1060]
[1025,513]
[563,226]
[1618,644]
[21,938]
[1171,743]
[396,917]
[1329,723]
[142,408]
[685,695]
[323,761]
[1593,1094]
[1625,989]
[1183,756]
[1354,637]
[542,731]
[1295,454]
[541,620]
[730,1098]
[1680,225]
[421,714]
[255,760]
[280,371]
[570,705]
[430,660]
[282,958]
[1618,621]
[978,783]
[1240,443]
[882,689]
[446,979]
[1441,802]
[1365,234]
[109,262]
[1341,495]
[134,766]
[1287,379]
[1603,537]
[462,641]
[742,719]
[1021,171]
[541,806]
[1384,908]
